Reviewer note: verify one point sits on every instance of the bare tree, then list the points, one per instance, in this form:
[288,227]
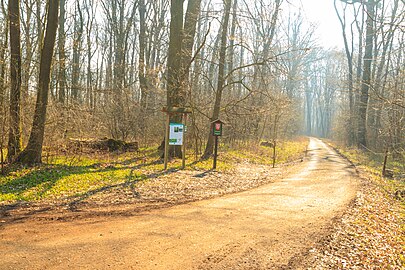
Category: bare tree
[221,77]
[33,152]
[349,50]
[179,58]
[366,80]
[3,109]
[14,141]
[77,51]
[62,54]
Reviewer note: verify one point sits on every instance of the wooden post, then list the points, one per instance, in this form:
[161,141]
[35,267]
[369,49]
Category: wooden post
[183,150]
[274,153]
[216,128]
[215,153]
[2,159]
[166,157]
[384,173]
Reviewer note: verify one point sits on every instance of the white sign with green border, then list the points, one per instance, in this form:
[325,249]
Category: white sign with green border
[176,134]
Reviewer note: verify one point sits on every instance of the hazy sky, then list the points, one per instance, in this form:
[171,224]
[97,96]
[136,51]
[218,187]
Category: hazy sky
[322,13]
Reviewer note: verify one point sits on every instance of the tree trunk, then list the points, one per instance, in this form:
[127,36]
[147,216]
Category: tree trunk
[3,109]
[62,55]
[381,74]
[232,43]
[349,57]
[142,48]
[33,152]
[77,47]
[190,25]
[221,78]
[142,70]
[90,85]
[3,49]
[175,97]
[367,60]
[14,141]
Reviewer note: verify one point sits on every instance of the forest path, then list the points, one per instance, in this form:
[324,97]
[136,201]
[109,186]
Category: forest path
[270,227]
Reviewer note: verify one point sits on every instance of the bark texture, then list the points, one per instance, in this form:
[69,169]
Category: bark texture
[366,79]
[33,152]
[221,78]
[14,141]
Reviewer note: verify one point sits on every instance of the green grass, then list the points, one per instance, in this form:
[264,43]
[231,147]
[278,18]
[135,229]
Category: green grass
[373,164]
[74,176]
[286,151]
[374,161]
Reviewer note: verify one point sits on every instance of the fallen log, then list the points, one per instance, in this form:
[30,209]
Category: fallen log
[104,144]
[267,144]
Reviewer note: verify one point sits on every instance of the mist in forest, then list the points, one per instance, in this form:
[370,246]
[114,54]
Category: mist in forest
[94,69]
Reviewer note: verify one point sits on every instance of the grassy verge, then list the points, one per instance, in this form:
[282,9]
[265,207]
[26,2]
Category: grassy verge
[286,151]
[66,176]
[372,233]
[372,164]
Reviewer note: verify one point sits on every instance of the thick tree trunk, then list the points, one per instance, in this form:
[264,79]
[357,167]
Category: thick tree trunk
[14,141]
[33,152]
[175,97]
[179,59]
[221,78]
[190,25]
[367,60]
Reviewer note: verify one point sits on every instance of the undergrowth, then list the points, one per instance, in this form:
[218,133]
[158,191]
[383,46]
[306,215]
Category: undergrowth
[286,151]
[372,163]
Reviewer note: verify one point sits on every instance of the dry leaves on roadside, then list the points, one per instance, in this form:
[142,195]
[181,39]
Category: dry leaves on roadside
[369,235]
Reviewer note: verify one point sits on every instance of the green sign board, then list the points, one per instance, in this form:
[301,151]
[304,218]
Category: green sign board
[217,128]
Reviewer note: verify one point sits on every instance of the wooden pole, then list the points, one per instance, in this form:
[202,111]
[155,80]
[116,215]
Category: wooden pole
[385,163]
[215,153]
[2,159]
[166,157]
[183,150]
[274,153]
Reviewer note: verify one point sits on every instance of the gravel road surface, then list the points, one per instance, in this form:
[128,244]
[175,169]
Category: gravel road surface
[270,227]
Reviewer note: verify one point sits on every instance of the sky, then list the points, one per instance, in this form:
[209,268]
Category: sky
[322,13]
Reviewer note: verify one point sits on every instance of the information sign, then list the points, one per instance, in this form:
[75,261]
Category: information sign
[176,134]
[217,128]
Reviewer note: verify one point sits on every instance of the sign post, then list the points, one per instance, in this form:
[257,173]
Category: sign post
[216,132]
[167,134]
[183,150]
[175,133]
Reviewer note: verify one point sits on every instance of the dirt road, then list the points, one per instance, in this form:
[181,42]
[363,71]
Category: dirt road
[270,227]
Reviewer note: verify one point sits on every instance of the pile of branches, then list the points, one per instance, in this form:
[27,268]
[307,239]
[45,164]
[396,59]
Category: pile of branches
[104,144]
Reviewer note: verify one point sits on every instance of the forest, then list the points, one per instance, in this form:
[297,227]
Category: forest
[94,69]
[112,111]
